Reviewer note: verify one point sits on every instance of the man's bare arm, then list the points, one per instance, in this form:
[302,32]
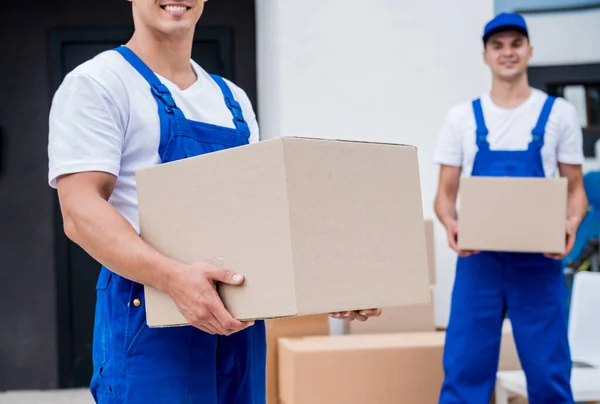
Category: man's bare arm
[92,222]
[445,205]
[577,202]
[445,200]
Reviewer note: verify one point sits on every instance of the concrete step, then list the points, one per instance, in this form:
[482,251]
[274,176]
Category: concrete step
[67,396]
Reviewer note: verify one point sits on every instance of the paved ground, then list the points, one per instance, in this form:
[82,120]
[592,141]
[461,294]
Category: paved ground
[47,397]
[82,397]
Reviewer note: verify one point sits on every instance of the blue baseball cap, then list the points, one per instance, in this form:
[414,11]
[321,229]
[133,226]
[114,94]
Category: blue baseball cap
[505,22]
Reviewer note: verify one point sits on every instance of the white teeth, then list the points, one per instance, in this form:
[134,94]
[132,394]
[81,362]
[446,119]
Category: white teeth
[175,9]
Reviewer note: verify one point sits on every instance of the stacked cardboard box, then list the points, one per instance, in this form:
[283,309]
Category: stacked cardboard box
[414,318]
[358,369]
[315,325]
[380,368]
[408,318]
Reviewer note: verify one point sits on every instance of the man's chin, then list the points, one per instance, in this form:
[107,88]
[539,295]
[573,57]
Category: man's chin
[176,29]
[510,76]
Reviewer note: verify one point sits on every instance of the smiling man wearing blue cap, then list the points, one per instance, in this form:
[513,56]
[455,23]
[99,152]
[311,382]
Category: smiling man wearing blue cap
[514,130]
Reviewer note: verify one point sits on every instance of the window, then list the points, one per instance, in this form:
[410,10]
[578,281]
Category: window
[580,85]
[585,98]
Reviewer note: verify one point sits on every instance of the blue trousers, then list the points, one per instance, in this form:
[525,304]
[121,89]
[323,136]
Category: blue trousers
[531,288]
[135,364]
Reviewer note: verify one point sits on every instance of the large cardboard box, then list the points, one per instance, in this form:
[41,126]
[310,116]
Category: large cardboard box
[314,225]
[417,318]
[303,326]
[513,214]
[358,369]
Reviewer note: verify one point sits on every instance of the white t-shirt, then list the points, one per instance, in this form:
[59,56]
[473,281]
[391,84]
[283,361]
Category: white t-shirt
[104,118]
[510,129]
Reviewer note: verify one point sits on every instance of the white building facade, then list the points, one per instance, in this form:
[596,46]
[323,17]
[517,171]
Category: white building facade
[388,70]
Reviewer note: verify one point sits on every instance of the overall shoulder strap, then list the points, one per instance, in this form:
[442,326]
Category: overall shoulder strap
[482,130]
[540,128]
[160,92]
[233,106]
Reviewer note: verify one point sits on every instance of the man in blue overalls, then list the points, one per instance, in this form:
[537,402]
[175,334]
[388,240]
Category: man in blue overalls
[518,131]
[142,104]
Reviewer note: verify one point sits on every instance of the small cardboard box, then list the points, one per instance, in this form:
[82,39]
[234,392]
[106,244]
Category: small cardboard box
[358,369]
[417,318]
[513,214]
[303,326]
[314,225]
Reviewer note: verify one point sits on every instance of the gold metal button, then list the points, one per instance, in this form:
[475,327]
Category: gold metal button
[137,302]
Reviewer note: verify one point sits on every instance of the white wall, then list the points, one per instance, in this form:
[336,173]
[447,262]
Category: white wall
[382,70]
[565,38]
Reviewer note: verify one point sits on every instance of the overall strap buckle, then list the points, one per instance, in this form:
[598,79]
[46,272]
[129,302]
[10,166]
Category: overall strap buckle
[161,92]
[233,106]
[235,109]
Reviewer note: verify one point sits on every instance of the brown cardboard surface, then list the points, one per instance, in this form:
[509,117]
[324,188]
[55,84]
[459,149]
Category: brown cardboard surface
[288,327]
[314,225]
[358,369]
[351,209]
[509,358]
[430,240]
[228,206]
[397,319]
[513,214]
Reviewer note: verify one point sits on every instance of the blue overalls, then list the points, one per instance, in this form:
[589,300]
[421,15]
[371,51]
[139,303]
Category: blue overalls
[529,287]
[135,364]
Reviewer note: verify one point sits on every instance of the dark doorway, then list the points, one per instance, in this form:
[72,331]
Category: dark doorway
[76,271]
[3,152]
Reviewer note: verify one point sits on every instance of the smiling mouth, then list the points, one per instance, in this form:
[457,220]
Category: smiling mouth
[175,9]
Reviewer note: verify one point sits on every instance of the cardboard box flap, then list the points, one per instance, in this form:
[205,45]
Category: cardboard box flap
[373,142]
